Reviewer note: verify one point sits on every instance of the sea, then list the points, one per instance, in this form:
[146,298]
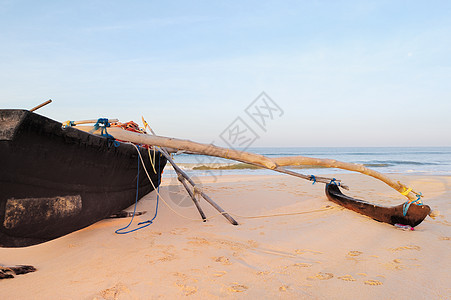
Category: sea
[404,160]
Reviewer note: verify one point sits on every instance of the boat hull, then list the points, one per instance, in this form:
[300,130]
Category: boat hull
[55,180]
[391,215]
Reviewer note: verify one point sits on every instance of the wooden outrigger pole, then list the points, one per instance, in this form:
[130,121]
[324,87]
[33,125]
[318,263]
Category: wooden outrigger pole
[275,164]
[392,215]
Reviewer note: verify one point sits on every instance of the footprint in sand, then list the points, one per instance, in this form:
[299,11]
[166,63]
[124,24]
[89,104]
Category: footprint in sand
[186,289]
[181,283]
[114,292]
[222,259]
[395,265]
[166,256]
[304,251]
[238,288]
[354,253]
[296,266]
[198,241]
[302,265]
[219,274]
[409,247]
[177,231]
[283,288]
[263,273]
[321,276]
[347,278]
[373,282]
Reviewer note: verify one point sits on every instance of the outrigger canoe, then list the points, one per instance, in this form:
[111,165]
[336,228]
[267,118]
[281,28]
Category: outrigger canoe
[414,215]
[56,180]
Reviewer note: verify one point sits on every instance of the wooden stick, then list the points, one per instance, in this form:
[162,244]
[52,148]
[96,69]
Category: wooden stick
[89,121]
[252,158]
[182,176]
[41,105]
[198,190]
[193,197]
[307,177]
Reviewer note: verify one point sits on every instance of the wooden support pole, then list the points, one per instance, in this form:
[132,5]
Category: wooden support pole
[193,197]
[307,177]
[182,176]
[205,196]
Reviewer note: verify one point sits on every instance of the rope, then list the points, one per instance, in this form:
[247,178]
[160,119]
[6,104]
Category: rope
[283,214]
[148,222]
[405,191]
[158,191]
[405,207]
[156,208]
[219,214]
[68,124]
[334,182]
[102,124]
[152,161]
[312,177]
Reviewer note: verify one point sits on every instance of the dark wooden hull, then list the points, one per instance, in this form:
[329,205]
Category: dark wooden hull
[391,215]
[54,181]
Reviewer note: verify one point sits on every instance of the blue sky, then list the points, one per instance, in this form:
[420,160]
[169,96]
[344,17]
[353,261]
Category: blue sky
[345,73]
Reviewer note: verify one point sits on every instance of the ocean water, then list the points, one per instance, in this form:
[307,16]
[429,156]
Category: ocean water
[408,160]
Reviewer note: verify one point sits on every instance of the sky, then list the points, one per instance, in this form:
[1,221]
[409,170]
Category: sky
[341,73]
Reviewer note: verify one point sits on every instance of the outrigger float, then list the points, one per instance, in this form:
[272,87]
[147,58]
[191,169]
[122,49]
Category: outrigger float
[58,178]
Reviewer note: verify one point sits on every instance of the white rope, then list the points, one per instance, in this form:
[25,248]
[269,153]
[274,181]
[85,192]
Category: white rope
[156,190]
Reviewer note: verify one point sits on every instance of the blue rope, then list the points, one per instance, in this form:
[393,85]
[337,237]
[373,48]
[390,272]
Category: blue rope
[68,124]
[158,198]
[148,222]
[407,204]
[334,182]
[312,177]
[103,123]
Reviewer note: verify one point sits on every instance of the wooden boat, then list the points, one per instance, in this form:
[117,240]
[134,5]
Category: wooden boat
[56,180]
[391,215]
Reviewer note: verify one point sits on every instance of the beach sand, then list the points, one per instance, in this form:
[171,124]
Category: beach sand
[324,252]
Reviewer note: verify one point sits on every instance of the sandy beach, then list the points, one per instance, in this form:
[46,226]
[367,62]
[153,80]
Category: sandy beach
[322,252]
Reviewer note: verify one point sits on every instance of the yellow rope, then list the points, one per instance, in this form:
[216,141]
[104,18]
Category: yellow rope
[284,214]
[218,214]
[152,162]
[405,191]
